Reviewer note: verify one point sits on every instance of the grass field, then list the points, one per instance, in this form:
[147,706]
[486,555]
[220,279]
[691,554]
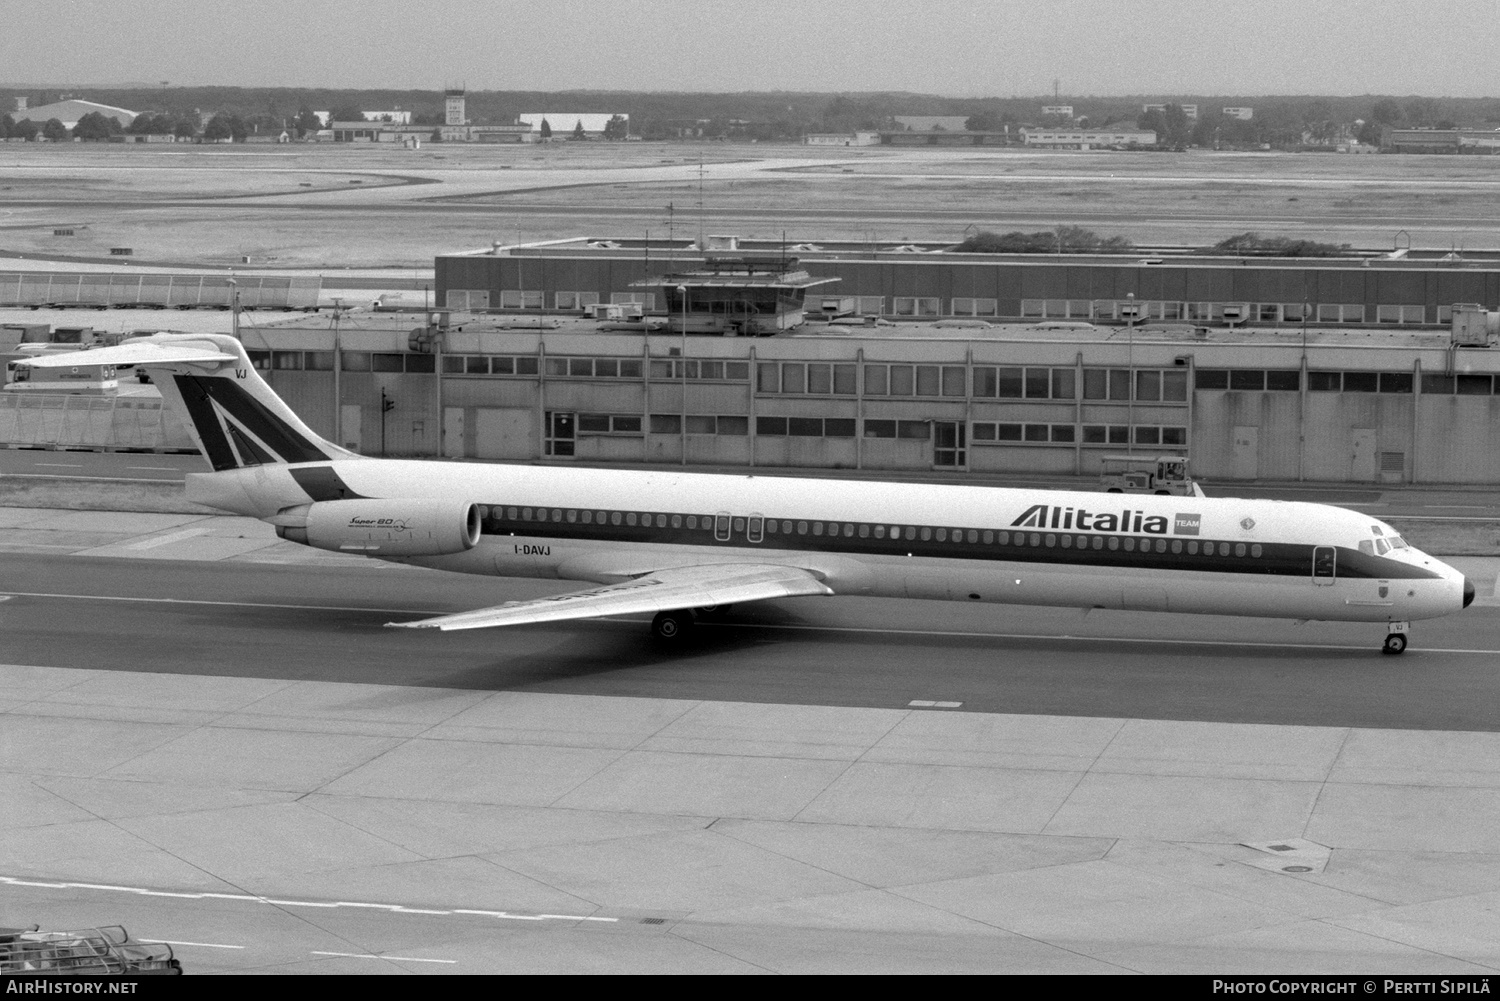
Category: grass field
[330,207]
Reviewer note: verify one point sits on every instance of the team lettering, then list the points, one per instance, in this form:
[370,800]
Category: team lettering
[1080,519]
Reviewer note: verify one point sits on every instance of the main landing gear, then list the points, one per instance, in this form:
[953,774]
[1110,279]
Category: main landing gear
[676,625]
[672,626]
[1395,640]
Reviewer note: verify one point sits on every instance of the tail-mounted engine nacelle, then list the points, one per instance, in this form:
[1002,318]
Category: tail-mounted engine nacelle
[383,527]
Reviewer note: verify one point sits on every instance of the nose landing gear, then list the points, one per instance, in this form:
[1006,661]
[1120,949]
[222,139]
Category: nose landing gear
[1395,640]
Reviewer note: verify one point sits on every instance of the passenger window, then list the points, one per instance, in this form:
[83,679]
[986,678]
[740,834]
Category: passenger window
[926,534]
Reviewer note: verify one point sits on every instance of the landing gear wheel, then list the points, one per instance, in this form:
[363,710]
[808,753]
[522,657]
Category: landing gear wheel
[1395,643]
[673,626]
[713,612]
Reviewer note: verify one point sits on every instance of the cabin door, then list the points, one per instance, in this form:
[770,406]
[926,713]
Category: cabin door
[1324,565]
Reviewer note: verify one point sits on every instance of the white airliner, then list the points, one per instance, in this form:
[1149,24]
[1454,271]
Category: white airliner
[677,544]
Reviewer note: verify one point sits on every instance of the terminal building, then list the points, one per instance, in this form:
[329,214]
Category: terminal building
[1366,369]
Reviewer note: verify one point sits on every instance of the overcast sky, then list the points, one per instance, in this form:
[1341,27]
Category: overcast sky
[959,48]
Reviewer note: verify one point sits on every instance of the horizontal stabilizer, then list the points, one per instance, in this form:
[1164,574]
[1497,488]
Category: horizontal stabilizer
[661,591]
[141,352]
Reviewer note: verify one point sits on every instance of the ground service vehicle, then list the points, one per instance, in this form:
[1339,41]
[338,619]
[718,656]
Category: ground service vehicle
[1147,474]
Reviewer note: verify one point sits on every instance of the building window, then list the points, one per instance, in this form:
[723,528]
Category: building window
[974,307]
[576,300]
[646,300]
[808,427]
[609,424]
[917,306]
[870,305]
[1331,312]
[467,298]
[1400,314]
[520,299]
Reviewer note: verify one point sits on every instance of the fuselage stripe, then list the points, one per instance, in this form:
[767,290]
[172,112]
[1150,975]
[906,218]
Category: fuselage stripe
[1040,546]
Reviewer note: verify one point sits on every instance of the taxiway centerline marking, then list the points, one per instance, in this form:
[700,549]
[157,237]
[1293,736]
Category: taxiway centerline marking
[863,630]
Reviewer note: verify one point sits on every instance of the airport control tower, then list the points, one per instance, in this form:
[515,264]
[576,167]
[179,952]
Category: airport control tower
[455,107]
[738,295]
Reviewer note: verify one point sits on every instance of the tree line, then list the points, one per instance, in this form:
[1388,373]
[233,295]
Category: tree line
[788,115]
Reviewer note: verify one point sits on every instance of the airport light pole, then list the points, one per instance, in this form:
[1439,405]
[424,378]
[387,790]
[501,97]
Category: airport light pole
[338,365]
[683,291]
[1130,314]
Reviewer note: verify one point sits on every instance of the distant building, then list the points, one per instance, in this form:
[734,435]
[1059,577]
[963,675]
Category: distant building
[1243,114]
[1066,110]
[841,139]
[1088,138]
[931,123]
[375,132]
[484,133]
[69,112]
[1441,140]
[1191,110]
[564,123]
[396,117]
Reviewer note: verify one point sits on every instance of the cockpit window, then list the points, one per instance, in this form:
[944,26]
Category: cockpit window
[1376,530]
[1398,543]
[1367,547]
[1382,547]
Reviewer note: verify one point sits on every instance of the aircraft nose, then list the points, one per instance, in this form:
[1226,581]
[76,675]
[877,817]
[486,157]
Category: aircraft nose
[1468,592]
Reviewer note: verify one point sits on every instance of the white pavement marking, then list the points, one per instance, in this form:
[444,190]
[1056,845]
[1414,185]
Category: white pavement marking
[162,540]
[201,945]
[157,469]
[926,704]
[332,905]
[369,955]
[60,465]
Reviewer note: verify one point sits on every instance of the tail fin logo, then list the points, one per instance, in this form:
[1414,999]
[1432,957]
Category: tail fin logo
[238,430]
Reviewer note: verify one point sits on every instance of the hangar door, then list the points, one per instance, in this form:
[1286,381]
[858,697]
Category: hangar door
[504,433]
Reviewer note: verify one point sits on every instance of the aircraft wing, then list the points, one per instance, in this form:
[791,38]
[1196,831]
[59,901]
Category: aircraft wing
[663,590]
[133,353]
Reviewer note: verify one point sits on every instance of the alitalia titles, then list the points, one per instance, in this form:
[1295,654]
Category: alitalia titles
[1082,520]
